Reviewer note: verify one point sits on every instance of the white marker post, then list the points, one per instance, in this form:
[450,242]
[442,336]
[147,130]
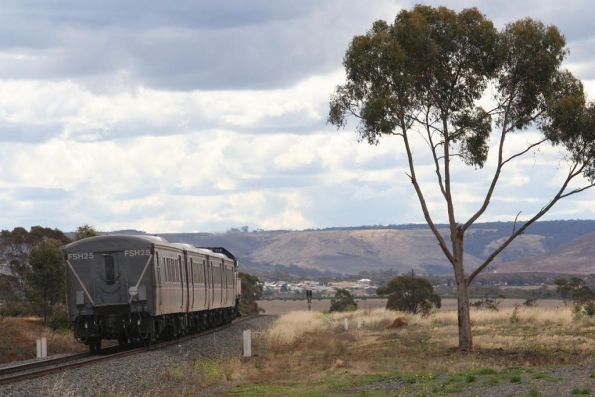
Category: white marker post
[44,347]
[360,323]
[247,343]
[38,348]
[346,325]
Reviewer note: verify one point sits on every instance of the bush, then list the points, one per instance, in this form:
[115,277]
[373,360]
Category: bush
[251,292]
[487,303]
[15,309]
[59,319]
[589,309]
[343,302]
[410,294]
[530,302]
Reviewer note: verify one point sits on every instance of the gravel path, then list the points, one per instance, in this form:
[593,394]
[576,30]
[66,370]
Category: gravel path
[137,374]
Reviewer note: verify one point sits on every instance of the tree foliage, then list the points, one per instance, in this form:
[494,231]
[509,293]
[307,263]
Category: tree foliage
[251,292]
[574,290]
[84,231]
[15,247]
[409,293]
[46,281]
[343,301]
[457,81]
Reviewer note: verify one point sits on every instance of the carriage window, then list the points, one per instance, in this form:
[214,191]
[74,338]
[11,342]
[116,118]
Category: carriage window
[110,269]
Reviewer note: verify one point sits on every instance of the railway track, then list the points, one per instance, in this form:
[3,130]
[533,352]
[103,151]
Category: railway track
[37,369]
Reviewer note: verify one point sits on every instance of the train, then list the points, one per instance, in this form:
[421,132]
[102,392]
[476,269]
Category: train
[141,288]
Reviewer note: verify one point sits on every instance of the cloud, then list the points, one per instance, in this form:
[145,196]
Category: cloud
[205,116]
[187,46]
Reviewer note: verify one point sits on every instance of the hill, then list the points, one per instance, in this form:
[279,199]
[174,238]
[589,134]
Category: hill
[552,246]
[578,256]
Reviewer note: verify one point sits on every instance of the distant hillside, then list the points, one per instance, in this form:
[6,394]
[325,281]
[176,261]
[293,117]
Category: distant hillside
[577,256]
[553,246]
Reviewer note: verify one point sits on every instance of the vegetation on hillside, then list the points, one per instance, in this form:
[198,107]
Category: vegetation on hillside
[84,231]
[20,287]
[45,280]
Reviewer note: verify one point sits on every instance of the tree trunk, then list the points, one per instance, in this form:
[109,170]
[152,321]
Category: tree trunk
[465,338]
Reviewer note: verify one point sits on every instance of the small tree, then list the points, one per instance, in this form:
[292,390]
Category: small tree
[45,281]
[410,293]
[84,231]
[251,292]
[574,290]
[343,301]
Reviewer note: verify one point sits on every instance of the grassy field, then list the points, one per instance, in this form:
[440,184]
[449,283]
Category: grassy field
[18,335]
[310,354]
[279,307]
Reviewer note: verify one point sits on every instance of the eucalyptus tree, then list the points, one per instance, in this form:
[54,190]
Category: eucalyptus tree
[430,72]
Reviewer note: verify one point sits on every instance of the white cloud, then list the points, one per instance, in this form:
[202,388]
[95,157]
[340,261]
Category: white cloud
[178,122]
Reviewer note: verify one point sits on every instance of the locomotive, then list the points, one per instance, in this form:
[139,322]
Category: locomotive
[140,288]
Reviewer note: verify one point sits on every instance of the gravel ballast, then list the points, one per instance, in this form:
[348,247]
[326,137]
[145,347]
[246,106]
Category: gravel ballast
[137,374]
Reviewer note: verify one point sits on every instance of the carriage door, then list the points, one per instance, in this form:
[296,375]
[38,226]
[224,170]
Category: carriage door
[191,284]
[205,283]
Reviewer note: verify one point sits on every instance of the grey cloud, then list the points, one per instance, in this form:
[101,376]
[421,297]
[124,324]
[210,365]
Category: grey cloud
[181,45]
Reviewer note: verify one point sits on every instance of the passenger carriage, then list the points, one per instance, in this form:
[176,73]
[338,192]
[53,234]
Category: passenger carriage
[143,288]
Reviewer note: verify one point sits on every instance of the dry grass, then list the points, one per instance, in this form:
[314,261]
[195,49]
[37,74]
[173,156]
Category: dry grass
[18,335]
[314,347]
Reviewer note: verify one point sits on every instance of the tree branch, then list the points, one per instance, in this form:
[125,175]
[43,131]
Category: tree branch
[436,162]
[573,173]
[422,200]
[499,165]
[449,205]
[524,151]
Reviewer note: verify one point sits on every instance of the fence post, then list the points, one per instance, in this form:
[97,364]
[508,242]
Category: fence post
[247,343]
[44,347]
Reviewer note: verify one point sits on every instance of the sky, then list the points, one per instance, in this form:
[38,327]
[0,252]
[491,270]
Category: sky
[202,116]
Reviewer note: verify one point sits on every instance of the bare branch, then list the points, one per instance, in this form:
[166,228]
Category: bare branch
[422,200]
[449,205]
[436,162]
[515,219]
[525,151]
[559,195]
[492,187]
[578,190]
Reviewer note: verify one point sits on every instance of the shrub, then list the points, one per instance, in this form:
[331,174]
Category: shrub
[589,309]
[514,317]
[251,292]
[530,302]
[574,290]
[59,319]
[487,303]
[411,294]
[15,309]
[343,302]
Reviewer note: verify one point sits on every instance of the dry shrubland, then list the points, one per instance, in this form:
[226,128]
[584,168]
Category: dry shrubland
[18,335]
[313,346]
